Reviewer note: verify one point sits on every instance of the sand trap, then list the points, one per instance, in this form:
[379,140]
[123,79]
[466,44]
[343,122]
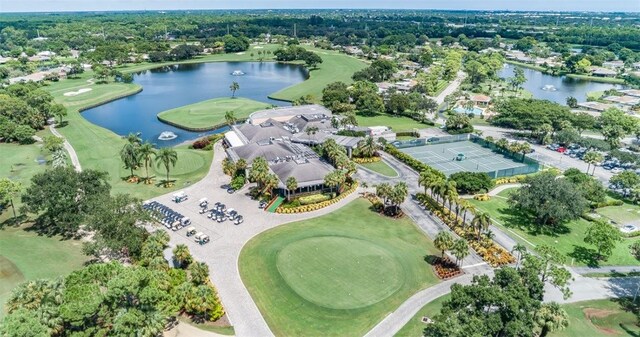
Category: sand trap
[76,93]
[240,53]
[257,47]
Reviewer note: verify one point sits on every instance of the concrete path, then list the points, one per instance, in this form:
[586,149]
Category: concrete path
[451,88]
[72,152]
[227,240]
[606,269]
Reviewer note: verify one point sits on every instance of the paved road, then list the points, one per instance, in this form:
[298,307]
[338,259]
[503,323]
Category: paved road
[606,269]
[545,155]
[72,152]
[451,88]
[227,240]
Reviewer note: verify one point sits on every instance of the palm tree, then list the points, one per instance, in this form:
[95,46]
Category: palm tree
[443,241]
[368,147]
[145,154]
[521,251]
[234,87]
[312,130]
[292,185]
[502,144]
[524,148]
[450,193]
[335,179]
[166,157]
[425,179]
[460,250]
[398,195]
[481,222]
[270,182]
[592,158]
[465,207]
[182,256]
[199,273]
[383,191]
[133,138]
[259,171]
[230,118]
[129,153]
[59,158]
[550,317]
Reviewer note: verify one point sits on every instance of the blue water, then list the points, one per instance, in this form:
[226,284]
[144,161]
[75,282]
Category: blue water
[565,86]
[475,111]
[174,86]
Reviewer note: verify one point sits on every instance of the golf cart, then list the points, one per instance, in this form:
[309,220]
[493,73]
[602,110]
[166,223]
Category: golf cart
[179,197]
[203,202]
[460,157]
[186,221]
[201,238]
[203,210]
[239,219]
[176,225]
[191,231]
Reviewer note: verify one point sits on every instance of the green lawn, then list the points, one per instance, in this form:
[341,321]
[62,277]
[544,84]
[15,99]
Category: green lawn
[382,168]
[98,148]
[331,277]
[222,330]
[209,114]
[25,255]
[415,327]
[597,79]
[396,123]
[599,318]
[569,239]
[625,214]
[334,67]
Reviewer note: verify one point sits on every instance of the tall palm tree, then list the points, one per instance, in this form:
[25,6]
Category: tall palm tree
[481,222]
[521,251]
[460,250]
[234,87]
[368,147]
[182,255]
[464,207]
[270,182]
[524,148]
[592,158]
[383,191]
[146,152]
[259,171]
[168,158]
[133,138]
[230,118]
[292,185]
[425,179]
[502,144]
[450,193]
[443,241]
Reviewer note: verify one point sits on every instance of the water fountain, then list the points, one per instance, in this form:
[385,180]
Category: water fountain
[237,73]
[549,87]
[167,135]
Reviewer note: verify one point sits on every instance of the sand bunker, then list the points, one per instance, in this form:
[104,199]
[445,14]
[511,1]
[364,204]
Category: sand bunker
[76,93]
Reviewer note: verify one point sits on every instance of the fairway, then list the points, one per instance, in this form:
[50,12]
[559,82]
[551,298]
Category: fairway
[396,123]
[25,255]
[210,114]
[319,266]
[334,67]
[335,277]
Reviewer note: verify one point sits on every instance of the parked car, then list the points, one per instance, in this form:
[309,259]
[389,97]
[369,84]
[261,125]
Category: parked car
[231,190]
[262,204]
[617,170]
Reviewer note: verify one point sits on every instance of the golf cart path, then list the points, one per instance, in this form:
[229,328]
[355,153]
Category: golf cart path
[227,240]
[72,152]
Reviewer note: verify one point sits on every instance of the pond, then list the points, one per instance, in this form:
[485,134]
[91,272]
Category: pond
[556,88]
[174,86]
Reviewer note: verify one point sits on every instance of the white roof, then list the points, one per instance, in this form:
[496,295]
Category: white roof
[191,228]
[233,139]
[179,194]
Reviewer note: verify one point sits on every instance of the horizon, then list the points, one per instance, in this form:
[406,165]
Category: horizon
[62,6]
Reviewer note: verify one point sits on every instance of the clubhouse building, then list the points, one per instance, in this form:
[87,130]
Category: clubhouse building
[283,136]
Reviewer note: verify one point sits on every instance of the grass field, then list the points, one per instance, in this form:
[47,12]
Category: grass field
[396,123]
[625,214]
[98,148]
[569,239]
[382,168]
[597,79]
[207,114]
[331,277]
[334,67]
[415,327]
[599,318]
[25,255]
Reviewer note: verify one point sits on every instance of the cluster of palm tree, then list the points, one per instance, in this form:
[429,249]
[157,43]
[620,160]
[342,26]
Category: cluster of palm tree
[135,154]
[516,147]
[459,248]
[337,155]
[444,191]
[592,158]
[262,176]
[392,196]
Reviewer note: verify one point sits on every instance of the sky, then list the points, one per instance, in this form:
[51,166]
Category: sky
[115,5]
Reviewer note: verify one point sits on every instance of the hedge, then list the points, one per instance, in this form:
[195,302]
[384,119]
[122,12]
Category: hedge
[366,160]
[412,162]
[319,205]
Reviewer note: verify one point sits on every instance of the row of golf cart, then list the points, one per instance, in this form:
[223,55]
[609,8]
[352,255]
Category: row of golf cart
[165,215]
[199,237]
[219,212]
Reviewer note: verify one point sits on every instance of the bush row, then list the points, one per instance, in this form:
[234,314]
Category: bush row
[412,162]
[317,206]
[314,198]
[509,180]
[493,254]
[366,160]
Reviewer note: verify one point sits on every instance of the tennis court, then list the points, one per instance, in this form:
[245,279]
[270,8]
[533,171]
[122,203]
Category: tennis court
[477,158]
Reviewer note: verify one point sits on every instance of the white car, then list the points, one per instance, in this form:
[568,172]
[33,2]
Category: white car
[617,170]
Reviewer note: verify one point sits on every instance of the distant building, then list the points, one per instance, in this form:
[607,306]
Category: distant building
[481,100]
[613,64]
[594,106]
[603,72]
[623,100]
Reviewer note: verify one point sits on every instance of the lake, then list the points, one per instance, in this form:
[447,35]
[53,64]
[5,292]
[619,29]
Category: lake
[174,86]
[565,86]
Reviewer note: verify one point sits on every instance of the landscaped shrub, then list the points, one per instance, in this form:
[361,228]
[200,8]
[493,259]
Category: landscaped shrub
[472,182]
[412,162]
[238,182]
[319,205]
[482,197]
[614,202]
[366,160]
[445,268]
[510,180]
[312,199]
[201,143]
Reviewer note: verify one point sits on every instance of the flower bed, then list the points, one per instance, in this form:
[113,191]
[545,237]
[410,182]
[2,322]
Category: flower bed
[319,205]
[366,160]
[481,197]
[490,252]
[313,199]
[510,180]
[445,268]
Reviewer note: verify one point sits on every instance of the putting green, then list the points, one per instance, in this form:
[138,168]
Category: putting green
[209,114]
[318,266]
